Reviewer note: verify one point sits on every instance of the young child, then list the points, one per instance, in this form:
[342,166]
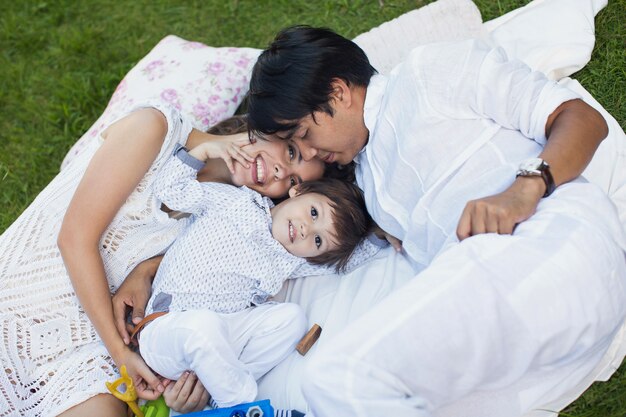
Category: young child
[237,252]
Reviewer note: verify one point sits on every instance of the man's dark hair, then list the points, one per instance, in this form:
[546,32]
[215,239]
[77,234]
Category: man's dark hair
[349,216]
[292,77]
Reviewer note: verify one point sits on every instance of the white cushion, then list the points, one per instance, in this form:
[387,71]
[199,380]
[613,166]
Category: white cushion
[445,20]
[552,36]
[205,83]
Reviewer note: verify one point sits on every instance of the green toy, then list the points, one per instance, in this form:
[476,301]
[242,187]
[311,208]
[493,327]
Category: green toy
[156,408]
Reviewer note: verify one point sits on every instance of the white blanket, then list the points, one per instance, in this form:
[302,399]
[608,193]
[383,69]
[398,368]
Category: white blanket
[554,36]
[532,34]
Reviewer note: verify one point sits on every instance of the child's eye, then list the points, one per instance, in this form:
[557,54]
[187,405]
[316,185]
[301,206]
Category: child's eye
[292,152]
[314,213]
[292,181]
[318,241]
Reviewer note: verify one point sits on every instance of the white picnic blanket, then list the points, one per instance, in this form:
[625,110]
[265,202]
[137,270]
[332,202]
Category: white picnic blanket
[554,36]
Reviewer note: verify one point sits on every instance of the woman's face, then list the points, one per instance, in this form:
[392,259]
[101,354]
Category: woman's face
[277,166]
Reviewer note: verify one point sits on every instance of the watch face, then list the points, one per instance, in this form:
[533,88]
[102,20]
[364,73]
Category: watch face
[531,165]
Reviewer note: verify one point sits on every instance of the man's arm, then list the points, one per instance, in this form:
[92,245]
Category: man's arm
[574,131]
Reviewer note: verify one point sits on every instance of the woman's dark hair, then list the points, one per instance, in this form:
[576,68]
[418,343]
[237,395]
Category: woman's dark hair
[293,77]
[239,124]
[350,218]
[230,126]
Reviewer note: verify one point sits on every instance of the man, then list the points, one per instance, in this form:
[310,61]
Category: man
[455,151]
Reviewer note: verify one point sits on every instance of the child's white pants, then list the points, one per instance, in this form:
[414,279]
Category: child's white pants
[228,352]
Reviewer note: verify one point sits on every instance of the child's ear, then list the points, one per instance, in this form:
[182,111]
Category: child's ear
[293,191]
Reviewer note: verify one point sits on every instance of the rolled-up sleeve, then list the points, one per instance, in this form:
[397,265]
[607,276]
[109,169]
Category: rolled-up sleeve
[516,97]
[471,79]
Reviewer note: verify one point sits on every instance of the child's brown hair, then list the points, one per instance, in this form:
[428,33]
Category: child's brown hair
[350,218]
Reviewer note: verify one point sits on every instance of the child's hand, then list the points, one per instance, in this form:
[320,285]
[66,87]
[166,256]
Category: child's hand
[227,147]
[393,241]
[187,394]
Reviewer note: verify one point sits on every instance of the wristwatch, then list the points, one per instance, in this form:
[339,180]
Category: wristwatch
[537,167]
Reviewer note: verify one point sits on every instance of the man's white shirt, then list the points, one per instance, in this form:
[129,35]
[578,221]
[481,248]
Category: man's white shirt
[448,125]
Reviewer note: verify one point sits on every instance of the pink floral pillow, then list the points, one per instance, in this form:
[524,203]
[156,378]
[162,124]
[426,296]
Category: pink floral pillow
[206,84]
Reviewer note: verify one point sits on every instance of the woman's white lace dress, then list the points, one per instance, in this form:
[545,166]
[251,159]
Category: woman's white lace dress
[52,357]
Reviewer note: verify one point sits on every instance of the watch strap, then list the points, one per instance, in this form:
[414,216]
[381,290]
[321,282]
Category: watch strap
[548,179]
[542,170]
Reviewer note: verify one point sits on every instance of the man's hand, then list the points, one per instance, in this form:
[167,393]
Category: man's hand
[500,213]
[186,395]
[133,295]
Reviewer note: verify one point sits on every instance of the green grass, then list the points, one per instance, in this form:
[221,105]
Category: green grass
[61,60]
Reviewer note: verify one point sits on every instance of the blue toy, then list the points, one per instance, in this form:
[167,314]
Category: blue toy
[256,409]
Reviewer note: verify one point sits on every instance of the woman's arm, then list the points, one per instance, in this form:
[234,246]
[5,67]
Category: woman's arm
[133,295]
[130,148]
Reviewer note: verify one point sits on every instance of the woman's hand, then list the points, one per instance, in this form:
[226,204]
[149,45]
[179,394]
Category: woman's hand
[500,213]
[147,384]
[133,295]
[227,147]
[187,394]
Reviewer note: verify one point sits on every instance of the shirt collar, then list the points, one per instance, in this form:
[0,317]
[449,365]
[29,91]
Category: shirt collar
[263,203]
[371,107]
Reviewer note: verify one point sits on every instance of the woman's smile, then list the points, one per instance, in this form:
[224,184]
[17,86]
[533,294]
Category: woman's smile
[276,166]
[259,170]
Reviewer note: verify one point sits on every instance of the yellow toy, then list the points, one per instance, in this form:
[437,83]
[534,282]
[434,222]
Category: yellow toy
[129,396]
[158,408]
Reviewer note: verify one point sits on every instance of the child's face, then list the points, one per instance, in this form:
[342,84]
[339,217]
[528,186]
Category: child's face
[303,224]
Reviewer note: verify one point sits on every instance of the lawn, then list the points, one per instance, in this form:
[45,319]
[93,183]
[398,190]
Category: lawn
[61,60]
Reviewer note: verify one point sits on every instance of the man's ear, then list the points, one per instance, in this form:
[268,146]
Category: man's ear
[342,95]
[293,191]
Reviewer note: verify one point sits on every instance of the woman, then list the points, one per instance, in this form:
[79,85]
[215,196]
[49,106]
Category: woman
[61,343]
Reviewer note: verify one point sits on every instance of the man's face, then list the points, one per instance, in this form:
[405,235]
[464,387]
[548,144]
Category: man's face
[338,138]
[303,224]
